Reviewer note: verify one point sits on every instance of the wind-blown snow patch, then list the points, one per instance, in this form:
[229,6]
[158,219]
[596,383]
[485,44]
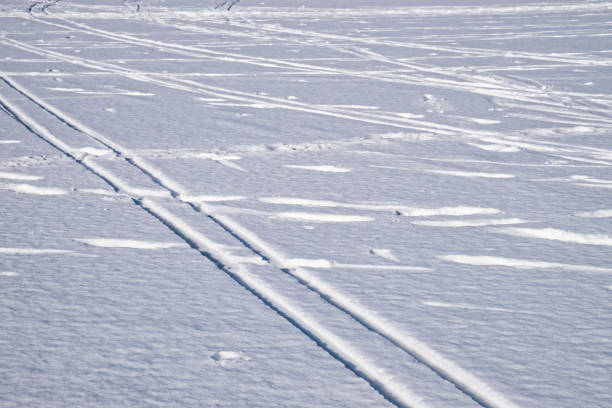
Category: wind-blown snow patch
[450,211]
[472,174]
[554,234]
[29,189]
[473,307]
[321,217]
[596,214]
[8,273]
[399,209]
[304,202]
[590,179]
[211,198]
[518,263]
[18,176]
[225,358]
[215,156]
[384,253]
[92,151]
[499,148]
[522,145]
[470,223]
[98,191]
[308,263]
[482,121]
[129,243]
[33,251]
[405,136]
[324,168]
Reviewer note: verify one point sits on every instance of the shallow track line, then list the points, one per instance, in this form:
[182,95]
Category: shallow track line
[477,84]
[168,81]
[469,83]
[337,347]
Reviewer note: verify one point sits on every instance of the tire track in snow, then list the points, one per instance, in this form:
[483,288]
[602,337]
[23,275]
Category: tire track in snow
[337,347]
[447,369]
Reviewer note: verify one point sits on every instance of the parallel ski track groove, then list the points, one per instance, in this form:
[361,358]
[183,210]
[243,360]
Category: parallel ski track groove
[332,344]
[464,381]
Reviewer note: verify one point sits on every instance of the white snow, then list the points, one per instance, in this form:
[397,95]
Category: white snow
[128,243]
[500,148]
[373,203]
[384,253]
[34,251]
[483,260]
[473,307]
[8,273]
[322,217]
[35,190]
[309,263]
[606,213]
[321,168]
[458,211]
[472,174]
[228,358]
[559,235]
[470,223]
[18,176]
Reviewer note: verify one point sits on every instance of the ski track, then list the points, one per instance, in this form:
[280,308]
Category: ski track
[487,85]
[448,370]
[511,93]
[336,346]
[252,99]
[170,81]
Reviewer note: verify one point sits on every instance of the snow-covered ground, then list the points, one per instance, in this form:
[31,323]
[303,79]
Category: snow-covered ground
[303,203]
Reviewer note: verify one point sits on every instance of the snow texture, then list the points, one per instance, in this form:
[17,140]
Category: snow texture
[343,203]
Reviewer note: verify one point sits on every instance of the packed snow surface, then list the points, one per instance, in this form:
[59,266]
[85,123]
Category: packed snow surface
[305,203]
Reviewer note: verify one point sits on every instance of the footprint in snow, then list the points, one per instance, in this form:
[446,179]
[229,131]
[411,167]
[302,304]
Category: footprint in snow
[229,358]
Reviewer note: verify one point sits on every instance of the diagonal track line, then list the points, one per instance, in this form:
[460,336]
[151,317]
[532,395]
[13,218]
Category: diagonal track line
[477,84]
[337,347]
[469,384]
